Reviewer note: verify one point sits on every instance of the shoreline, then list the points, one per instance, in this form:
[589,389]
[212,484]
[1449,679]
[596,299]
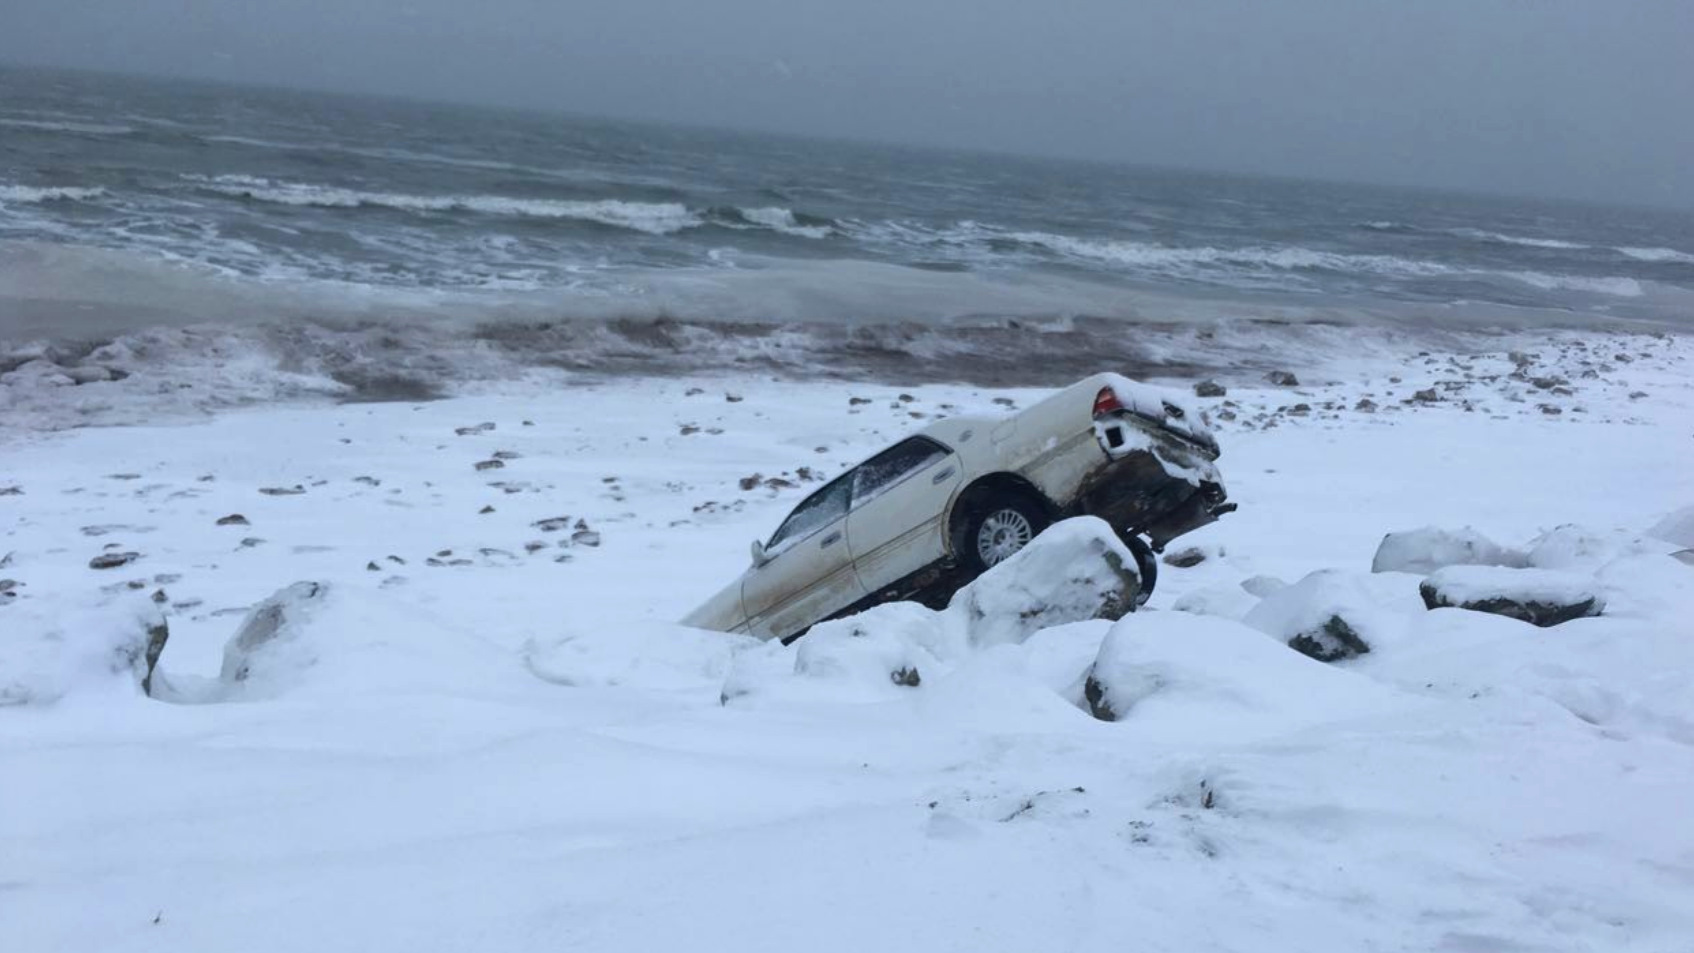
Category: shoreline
[188,372]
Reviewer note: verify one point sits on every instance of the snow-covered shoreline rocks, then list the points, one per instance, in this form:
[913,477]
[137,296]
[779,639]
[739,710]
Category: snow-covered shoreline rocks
[1429,548]
[1076,569]
[1183,673]
[1333,615]
[44,659]
[1541,597]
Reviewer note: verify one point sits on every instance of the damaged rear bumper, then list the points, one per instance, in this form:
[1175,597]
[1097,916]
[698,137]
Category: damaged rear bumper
[1159,486]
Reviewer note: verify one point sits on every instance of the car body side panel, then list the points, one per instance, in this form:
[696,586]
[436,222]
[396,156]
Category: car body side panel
[722,612]
[809,580]
[900,530]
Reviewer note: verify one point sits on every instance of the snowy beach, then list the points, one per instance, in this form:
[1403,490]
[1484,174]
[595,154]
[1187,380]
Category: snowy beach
[485,729]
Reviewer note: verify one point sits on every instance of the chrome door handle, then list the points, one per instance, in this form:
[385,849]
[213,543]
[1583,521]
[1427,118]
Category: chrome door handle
[830,540]
[944,474]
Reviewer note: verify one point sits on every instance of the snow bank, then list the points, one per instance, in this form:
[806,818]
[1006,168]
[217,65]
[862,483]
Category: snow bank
[1430,548]
[1540,597]
[648,656]
[1333,615]
[45,656]
[1181,676]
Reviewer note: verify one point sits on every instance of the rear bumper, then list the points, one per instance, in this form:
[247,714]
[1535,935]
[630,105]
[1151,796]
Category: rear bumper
[1163,490]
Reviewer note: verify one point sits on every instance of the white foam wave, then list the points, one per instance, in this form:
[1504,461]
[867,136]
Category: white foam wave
[1618,286]
[654,218]
[50,193]
[783,220]
[86,128]
[1658,255]
[1285,258]
[1504,239]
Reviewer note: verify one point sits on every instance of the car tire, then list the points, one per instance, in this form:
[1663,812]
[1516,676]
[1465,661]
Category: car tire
[1146,564]
[995,528]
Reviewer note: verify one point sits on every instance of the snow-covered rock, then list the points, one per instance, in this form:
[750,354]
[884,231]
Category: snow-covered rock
[1542,597]
[1576,547]
[884,647]
[268,650]
[1179,674]
[1429,548]
[1677,527]
[47,656]
[1332,615]
[1077,569]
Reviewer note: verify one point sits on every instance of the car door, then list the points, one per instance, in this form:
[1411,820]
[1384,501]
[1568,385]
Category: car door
[807,575]
[899,503]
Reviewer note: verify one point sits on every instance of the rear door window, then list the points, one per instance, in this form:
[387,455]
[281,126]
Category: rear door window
[819,510]
[893,465]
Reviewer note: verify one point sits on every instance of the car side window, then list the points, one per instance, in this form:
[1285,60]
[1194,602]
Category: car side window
[893,465]
[817,511]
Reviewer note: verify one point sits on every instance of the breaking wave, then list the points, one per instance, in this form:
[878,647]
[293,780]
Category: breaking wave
[1287,258]
[785,221]
[49,193]
[1620,287]
[1659,255]
[1500,238]
[84,128]
[654,218]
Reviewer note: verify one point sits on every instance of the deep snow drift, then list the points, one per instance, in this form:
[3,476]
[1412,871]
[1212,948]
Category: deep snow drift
[465,720]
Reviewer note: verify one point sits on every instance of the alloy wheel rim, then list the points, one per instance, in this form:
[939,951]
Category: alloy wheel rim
[1003,533]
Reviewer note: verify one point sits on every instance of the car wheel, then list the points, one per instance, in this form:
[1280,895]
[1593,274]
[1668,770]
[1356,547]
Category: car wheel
[998,528]
[1146,563]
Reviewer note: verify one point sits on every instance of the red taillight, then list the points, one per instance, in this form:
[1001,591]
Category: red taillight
[1106,402]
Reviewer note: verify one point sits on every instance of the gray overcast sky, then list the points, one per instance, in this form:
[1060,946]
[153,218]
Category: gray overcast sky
[1582,98]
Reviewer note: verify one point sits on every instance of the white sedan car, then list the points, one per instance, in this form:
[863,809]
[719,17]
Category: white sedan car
[933,511]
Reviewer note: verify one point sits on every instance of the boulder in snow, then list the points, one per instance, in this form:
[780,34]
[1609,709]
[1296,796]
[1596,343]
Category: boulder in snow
[1332,615]
[1425,550]
[1185,677]
[876,650]
[1677,528]
[1077,569]
[1540,597]
[268,644]
[1581,548]
[48,654]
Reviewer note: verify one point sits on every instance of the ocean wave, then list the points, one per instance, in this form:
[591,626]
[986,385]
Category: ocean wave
[1658,255]
[1616,286]
[32,194]
[1499,238]
[785,221]
[1283,258]
[84,128]
[653,218]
